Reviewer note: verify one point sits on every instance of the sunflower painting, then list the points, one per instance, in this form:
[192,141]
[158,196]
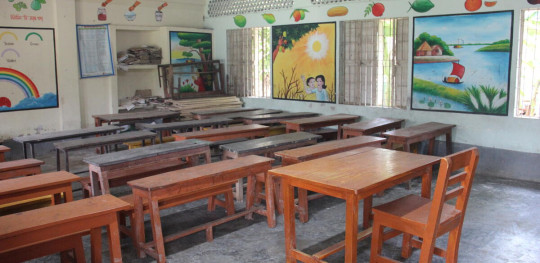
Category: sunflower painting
[304,62]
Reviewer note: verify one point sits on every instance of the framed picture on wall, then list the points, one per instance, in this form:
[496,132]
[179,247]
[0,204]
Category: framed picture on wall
[27,69]
[462,63]
[190,48]
[304,62]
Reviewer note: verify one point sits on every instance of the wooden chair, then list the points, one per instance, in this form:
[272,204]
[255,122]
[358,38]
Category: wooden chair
[428,219]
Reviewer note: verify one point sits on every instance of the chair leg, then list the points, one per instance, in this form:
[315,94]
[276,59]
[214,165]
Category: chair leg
[376,241]
[229,203]
[406,248]
[426,251]
[452,248]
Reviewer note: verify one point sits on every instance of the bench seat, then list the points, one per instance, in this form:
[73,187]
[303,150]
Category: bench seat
[22,167]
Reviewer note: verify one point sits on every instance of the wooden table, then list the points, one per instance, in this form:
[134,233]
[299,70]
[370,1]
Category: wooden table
[370,127]
[205,114]
[352,176]
[26,229]
[61,135]
[185,125]
[277,118]
[141,162]
[23,188]
[232,132]
[238,116]
[22,167]
[98,142]
[191,184]
[312,123]
[413,134]
[3,149]
[266,146]
[134,117]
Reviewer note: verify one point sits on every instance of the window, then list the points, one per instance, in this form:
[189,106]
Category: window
[527,97]
[374,60]
[249,62]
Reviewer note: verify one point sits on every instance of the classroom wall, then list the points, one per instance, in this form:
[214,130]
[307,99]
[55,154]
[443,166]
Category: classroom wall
[490,132]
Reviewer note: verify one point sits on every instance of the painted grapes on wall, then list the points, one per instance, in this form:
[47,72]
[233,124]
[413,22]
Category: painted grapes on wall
[462,63]
[303,62]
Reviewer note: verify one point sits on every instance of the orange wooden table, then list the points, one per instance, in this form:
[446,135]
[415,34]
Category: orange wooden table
[371,127]
[306,124]
[352,176]
[242,131]
[3,149]
[426,131]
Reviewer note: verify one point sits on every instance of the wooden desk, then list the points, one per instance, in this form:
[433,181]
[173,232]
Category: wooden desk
[61,135]
[205,114]
[190,183]
[137,163]
[307,124]
[220,134]
[238,116]
[134,117]
[277,118]
[3,149]
[23,188]
[41,225]
[352,176]
[266,146]
[413,134]
[185,125]
[98,142]
[370,127]
[21,167]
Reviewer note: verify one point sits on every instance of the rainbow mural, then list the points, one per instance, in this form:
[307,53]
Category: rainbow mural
[21,80]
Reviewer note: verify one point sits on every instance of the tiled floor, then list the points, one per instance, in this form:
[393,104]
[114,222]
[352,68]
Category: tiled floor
[501,225]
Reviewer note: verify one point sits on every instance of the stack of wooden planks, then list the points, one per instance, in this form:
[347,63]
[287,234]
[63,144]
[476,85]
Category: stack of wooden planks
[186,106]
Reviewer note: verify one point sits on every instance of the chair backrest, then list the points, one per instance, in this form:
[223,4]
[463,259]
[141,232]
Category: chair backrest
[464,161]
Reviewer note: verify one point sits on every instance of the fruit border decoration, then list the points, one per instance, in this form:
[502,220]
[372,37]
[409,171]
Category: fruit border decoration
[337,11]
[377,9]
[421,6]
[299,14]
[240,20]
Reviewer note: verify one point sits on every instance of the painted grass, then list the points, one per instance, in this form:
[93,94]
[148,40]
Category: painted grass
[495,48]
[434,89]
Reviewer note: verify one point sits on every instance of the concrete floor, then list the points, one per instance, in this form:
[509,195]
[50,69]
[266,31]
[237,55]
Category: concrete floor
[501,225]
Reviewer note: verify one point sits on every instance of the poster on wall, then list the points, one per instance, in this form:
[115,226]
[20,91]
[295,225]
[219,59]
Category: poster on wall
[462,63]
[190,47]
[27,69]
[95,56]
[304,62]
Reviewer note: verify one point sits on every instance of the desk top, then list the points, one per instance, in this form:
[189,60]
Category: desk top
[269,142]
[104,140]
[375,123]
[145,152]
[186,124]
[29,221]
[337,118]
[282,115]
[330,147]
[4,149]
[419,130]
[28,183]
[140,115]
[241,115]
[359,171]
[221,111]
[221,131]
[202,173]
[59,135]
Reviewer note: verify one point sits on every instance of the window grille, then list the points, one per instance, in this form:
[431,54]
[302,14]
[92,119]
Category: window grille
[235,7]
[528,92]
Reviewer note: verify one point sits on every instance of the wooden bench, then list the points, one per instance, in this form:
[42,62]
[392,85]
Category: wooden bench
[24,188]
[3,150]
[22,167]
[61,135]
[276,118]
[191,182]
[134,117]
[67,146]
[117,168]
[185,126]
[31,229]
[378,125]
[242,131]
[308,124]
[266,146]
[205,114]
[316,151]
[426,131]
[139,144]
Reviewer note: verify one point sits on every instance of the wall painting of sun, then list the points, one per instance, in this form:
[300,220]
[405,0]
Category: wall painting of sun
[304,62]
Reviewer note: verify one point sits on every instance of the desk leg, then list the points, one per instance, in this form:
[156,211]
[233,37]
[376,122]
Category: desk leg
[431,146]
[157,231]
[94,181]
[351,228]
[303,212]
[270,204]
[289,220]
[32,150]
[449,149]
[138,225]
[426,182]
[114,240]
[95,241]
[368,204]
[57,160]
[25,152]
[250,194]
[67,160]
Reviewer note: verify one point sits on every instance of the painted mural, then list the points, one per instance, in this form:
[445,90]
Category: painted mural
[462,63]
[304,63]
[27,69]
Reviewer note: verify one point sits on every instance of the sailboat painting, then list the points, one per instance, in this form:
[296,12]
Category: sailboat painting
[462,63]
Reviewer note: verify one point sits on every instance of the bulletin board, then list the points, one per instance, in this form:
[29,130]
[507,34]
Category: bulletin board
[27,69]
[95,57]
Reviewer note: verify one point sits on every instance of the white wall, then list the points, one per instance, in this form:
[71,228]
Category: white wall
[488,131]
